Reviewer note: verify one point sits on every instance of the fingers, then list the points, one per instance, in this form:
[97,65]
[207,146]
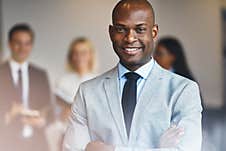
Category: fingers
[31,113]
[33,121]
[16,108]
[93,146]
[175,132]
[172,136]
[99,146]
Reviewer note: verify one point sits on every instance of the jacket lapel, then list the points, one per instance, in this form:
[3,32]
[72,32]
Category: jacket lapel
[9,74]
[146,97]
[10,84]
[111,86]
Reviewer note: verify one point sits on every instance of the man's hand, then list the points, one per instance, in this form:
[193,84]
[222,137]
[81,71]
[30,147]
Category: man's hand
[171,137]
[37,121]
[14,111]
[99,146]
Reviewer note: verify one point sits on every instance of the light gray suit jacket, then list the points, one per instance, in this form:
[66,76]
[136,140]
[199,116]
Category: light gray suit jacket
[166,98]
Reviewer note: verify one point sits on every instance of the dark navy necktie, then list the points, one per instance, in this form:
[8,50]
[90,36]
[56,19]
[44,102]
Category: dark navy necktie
[19,84]
[129,98]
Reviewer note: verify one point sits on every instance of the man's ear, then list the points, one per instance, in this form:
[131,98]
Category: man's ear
[155,30]
[110,31]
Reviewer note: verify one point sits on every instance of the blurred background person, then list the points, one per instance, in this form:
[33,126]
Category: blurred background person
[170,55]
[80,67]
[25,96]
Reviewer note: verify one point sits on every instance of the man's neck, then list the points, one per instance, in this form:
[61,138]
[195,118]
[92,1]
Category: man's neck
[17,61]
[134,67]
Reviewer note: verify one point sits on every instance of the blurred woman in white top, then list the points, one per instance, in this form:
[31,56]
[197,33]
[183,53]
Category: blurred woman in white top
[80,65]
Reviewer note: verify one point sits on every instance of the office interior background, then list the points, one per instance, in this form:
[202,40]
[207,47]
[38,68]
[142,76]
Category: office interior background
[198,24]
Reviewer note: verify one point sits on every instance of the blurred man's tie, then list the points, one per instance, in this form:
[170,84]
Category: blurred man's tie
[19,84]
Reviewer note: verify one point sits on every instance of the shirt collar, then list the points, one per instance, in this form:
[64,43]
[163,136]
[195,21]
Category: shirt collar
[143,71]
[172,70]
[15,66]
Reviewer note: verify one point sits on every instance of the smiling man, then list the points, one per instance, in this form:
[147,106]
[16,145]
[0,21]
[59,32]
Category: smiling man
[136,106]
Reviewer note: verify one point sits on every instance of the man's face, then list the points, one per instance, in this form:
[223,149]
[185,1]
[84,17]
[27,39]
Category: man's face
[21,46]
[132,35]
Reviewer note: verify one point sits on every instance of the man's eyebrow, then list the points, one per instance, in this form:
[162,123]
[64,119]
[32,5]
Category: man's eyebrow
[137,25]
[119,25]
[142,24]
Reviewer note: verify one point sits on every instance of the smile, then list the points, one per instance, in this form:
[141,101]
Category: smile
[132,50]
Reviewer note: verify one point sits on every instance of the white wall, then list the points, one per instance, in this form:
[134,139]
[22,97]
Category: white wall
[195,22]
[1,51]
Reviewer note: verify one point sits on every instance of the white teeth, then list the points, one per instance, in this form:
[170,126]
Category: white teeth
[131,49]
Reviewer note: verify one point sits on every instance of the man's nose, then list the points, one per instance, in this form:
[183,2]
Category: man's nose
[131,37]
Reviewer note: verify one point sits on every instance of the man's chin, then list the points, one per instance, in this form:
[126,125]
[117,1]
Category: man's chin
[131,64]
[20,60]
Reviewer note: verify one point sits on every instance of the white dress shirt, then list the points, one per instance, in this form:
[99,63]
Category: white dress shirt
[143,71]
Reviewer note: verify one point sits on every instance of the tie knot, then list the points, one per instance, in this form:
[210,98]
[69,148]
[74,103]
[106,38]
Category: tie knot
[132,76]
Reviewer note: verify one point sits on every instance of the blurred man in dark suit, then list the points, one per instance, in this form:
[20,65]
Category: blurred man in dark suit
[25,96]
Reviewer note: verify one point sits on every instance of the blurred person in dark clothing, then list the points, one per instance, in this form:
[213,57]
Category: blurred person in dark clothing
[25,96]
[170,55]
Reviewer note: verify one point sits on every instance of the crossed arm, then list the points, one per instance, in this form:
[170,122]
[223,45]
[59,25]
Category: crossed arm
[187,112]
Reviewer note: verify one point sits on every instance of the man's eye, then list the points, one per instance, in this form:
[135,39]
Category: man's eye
[141,30]
[120,29]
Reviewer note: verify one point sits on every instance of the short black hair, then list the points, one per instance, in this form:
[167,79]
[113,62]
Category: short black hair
[24,27]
